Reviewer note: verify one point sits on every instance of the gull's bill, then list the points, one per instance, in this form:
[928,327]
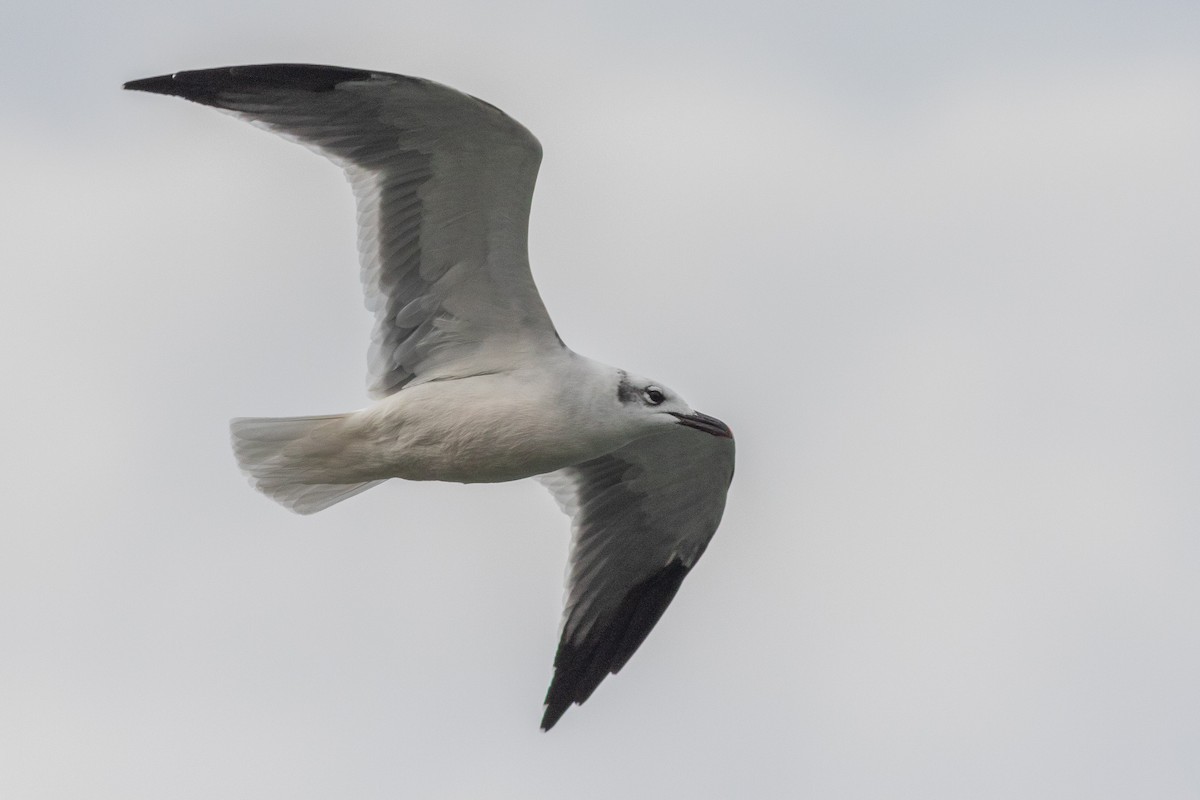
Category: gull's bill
[472,382]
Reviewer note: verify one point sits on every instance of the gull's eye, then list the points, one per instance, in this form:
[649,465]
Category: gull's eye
[654,395]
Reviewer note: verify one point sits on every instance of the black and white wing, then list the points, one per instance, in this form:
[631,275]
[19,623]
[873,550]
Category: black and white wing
[443,183]
[641,516]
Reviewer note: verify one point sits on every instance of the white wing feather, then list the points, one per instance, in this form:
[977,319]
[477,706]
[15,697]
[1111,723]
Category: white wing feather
[443,184]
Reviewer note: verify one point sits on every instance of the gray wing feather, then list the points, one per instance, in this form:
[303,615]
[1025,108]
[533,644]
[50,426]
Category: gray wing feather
[443,184]
[641,518]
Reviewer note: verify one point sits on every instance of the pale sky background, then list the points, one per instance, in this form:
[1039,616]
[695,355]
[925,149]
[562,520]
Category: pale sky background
[938,265]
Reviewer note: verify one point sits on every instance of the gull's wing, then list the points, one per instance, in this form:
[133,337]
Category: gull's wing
[443,183]
[641,517]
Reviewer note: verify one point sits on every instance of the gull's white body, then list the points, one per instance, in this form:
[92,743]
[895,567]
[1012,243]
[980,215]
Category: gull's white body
[472,382]
[524,423]
[478,429]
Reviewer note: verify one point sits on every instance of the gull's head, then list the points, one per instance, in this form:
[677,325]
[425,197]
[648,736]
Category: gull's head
[650,405]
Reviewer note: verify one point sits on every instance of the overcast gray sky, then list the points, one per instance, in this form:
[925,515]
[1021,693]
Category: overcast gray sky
[937,266]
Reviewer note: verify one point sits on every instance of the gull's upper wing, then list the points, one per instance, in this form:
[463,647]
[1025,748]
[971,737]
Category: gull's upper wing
[443,183]
[641,517]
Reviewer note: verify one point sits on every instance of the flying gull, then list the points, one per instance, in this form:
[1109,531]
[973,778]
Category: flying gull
[471,382]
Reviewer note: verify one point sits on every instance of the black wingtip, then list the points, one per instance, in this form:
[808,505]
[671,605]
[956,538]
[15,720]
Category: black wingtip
[579,667]
[160,85]
[553,715]
[204,85]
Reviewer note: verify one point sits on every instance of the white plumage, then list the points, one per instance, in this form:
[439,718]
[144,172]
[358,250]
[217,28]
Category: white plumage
[473,384]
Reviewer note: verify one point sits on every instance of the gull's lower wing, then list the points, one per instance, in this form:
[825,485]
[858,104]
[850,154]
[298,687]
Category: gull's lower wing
[641,517]
[443,183]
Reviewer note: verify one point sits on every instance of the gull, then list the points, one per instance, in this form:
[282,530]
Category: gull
[470,380]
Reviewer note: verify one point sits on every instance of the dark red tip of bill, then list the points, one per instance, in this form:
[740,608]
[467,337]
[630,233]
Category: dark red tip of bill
[703,422]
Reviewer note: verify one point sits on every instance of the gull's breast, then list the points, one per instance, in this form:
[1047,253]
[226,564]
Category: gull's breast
[482,429]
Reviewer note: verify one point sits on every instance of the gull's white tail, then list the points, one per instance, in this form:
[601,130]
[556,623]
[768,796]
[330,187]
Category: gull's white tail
[285,456]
